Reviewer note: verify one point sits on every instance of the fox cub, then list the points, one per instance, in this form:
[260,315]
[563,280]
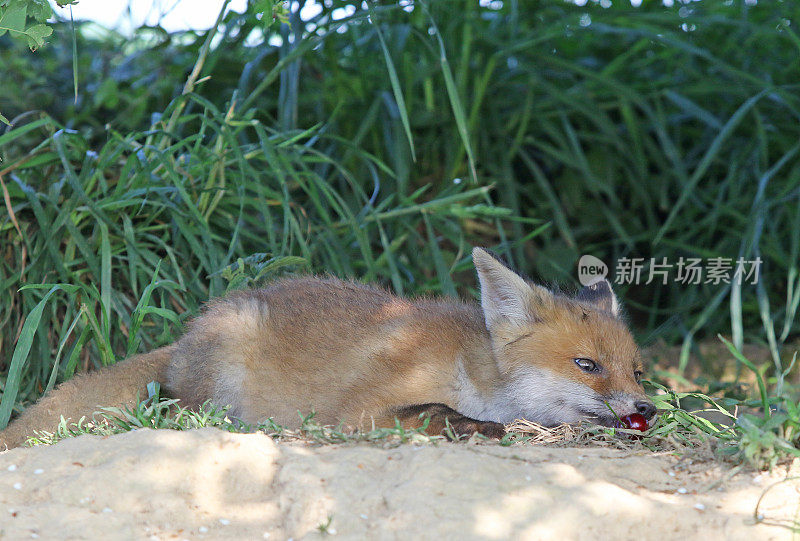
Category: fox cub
[359,355]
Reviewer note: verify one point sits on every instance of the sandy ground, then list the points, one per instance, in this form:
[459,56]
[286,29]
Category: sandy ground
[208,484]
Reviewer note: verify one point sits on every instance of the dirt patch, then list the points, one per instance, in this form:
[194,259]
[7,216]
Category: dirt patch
[209,484]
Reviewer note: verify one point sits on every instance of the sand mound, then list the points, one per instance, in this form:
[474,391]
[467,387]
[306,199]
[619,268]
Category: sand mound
[208,484]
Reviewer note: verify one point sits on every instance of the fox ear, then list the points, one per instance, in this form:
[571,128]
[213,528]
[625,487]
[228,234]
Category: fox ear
[505,297]
[600,294]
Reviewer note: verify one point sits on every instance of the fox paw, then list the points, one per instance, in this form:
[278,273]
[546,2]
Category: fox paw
[492,430]
[467,427]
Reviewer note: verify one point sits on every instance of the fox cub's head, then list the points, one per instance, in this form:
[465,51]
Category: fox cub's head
[563,359]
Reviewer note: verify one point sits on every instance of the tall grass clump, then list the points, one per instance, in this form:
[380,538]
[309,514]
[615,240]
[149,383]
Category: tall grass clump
[645,132]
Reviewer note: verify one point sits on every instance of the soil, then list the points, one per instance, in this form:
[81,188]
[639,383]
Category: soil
[210,484]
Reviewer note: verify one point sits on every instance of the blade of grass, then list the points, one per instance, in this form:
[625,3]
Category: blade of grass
[20,356]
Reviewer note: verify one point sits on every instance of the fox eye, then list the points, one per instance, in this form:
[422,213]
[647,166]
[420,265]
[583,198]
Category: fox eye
[587,365]
[637,374]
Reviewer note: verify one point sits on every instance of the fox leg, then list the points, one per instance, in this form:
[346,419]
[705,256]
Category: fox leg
[441,417]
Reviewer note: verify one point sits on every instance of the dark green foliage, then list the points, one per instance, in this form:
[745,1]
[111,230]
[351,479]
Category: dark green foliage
[640,132]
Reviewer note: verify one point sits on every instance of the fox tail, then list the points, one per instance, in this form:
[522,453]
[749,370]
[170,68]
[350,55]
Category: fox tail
[114,386]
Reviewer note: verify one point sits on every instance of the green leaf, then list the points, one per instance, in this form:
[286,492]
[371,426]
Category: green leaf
[36,35]
[39,10]
[13,18]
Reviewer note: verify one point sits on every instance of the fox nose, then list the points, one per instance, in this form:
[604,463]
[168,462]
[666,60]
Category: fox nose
[646,408]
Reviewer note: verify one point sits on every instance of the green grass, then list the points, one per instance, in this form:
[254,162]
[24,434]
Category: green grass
[382,146]
[165,413]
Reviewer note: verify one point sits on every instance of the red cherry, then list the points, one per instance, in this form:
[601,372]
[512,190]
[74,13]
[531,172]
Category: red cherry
[634,421]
